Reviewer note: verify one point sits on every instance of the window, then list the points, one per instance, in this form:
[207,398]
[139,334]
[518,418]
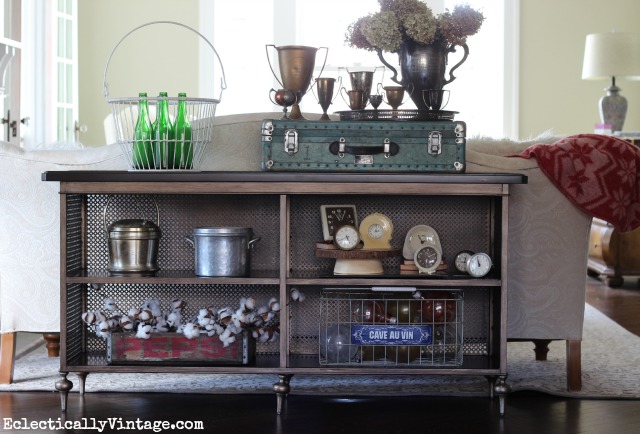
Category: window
[50,84]
[484,94]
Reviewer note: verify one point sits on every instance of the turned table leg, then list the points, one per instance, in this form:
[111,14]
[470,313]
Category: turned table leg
[282,389]
[541,348]
[63,385]
[53,344]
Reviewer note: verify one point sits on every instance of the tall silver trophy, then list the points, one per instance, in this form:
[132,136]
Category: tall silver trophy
[295,64]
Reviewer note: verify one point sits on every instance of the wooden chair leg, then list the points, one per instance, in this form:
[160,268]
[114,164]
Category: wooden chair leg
[574,366]
[7,357]
[541,348]
[53,344]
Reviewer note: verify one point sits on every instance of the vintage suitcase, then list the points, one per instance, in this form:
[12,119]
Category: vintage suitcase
[375,146]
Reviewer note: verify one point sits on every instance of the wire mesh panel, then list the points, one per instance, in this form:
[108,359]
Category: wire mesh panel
[365,328]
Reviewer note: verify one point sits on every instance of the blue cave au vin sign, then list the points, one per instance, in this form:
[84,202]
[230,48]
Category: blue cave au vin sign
[391,334]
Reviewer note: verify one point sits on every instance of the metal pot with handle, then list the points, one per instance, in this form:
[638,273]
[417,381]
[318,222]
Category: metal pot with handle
[222,251]
[133,244]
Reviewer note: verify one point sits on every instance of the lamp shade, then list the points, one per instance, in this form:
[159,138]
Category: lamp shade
[612,54]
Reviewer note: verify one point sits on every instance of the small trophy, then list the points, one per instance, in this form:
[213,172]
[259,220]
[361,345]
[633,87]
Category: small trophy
[285,98]
[395,96]
[325,97]
[433,98]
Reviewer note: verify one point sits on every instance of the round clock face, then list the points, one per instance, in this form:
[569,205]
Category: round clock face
[346,237]
[376,231]
[479,264]
[461,260]
[427,259]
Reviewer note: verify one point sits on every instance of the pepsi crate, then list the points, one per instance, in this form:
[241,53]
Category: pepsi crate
[176,349]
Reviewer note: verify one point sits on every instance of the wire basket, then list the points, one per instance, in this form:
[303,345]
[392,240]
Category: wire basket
[363,328]
[172,154]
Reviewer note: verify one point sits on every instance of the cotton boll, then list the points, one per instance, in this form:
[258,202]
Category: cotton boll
[134,312]
[126,324]
[145,315]
[275,337]
[174,319]
[295,294]
[178,304]
[110,305]
[100,316]
[225,334]
[275,307]
[153,306]
[191,330]
[89,317]
[250,303]
[103,326]
[417,295]
[229,341]
[301,297]
[273,301]
[144,331]
[218,328]
[162,326]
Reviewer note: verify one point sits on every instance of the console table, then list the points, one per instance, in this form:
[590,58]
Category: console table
[469,211]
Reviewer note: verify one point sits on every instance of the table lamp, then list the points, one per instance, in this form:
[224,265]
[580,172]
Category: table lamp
[607,56]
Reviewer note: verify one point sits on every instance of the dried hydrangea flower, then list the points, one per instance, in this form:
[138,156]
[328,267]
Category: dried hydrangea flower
[382,31]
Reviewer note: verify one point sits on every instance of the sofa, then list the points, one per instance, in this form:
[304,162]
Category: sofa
[548,246]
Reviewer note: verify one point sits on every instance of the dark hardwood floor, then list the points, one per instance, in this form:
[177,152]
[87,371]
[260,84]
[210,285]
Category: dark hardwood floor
[526,412]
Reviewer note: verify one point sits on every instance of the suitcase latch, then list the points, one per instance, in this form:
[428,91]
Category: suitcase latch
[434,147]
[387,148]
[267,131]
[291,142]
[342,146]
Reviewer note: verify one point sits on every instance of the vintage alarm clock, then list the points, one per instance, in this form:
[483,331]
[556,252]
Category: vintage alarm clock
[479,264]
[427,258]
[335,216]
[346,237]
[418,236]
[460,261]
[376,231]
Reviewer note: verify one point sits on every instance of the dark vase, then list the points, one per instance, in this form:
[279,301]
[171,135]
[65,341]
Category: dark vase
[423,68]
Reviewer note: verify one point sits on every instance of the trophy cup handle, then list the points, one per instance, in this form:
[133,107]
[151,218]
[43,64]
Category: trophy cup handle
[465,47]
[394,77]
[339,80]
[342,93]
[269,61]
[326,54]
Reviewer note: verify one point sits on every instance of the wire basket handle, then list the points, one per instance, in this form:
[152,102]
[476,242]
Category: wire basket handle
[223,80]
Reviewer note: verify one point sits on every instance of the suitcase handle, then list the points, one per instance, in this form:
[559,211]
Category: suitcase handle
[340,147]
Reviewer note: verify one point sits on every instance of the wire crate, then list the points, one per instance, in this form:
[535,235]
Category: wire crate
[360,327]
[166,155]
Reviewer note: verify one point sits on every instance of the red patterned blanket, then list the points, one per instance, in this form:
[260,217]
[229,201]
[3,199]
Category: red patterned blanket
[599,174]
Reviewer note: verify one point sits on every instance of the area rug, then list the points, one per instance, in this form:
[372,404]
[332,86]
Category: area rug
[610,369]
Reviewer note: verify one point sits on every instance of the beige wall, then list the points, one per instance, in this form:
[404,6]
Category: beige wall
[152,59]
[552,94]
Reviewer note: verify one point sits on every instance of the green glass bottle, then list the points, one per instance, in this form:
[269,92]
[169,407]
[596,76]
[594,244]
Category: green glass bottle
[142,151]
[183,158]
[163,143]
